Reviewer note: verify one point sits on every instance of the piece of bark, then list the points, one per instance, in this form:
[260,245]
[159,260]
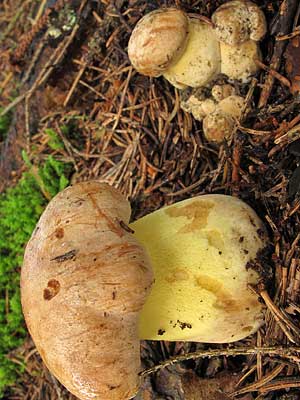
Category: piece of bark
[292,64]
[282,26]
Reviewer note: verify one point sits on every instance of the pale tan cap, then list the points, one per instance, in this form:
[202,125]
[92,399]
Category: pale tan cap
[239,21]
[158,40]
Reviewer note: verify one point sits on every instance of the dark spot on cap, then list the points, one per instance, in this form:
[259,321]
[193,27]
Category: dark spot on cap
[113,387]
[241,239]
[247,328]
[160,332]
[52,289]
[220,252]
[59,233]
[114,295]
[246,251]
[78,202]
[252,222]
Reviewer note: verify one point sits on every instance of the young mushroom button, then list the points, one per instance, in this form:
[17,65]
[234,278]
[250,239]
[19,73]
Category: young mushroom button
[220,124]
[239,25]
[238,21]
[219,113]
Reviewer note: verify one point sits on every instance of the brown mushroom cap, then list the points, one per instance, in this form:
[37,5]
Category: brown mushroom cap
[232,105]
[258,22]
[218,126]
[199,108]
[238,21]
[84,281]
[158,40]
[220,92]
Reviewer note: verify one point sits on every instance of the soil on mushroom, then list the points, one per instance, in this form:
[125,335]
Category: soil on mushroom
[88,107]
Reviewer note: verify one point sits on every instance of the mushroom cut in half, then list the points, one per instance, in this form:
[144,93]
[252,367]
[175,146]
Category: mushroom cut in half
[88,291]
[200,251]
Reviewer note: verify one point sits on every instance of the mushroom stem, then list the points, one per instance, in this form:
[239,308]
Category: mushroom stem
[193,68]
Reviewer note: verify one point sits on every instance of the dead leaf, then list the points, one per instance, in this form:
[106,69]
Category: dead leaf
[168,382]
[294,183]
[196,388]
[214,365]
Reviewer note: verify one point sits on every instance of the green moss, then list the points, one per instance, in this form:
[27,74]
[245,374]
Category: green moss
[20,209]
[54,141]
[4,124]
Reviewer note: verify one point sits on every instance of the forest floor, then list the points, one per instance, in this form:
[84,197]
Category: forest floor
[68,87]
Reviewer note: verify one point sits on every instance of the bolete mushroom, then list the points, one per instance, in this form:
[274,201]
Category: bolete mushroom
[189,51]
[238,21]
[219,112]
[86,277]
[167,42]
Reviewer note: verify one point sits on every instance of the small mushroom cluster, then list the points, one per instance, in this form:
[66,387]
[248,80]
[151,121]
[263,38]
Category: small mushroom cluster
[192,52]
[218,112]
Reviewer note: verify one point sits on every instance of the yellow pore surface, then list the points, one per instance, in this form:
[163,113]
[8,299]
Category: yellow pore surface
[199,249]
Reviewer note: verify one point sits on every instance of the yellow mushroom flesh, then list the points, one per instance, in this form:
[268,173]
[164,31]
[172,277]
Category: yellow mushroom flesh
[199,249]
